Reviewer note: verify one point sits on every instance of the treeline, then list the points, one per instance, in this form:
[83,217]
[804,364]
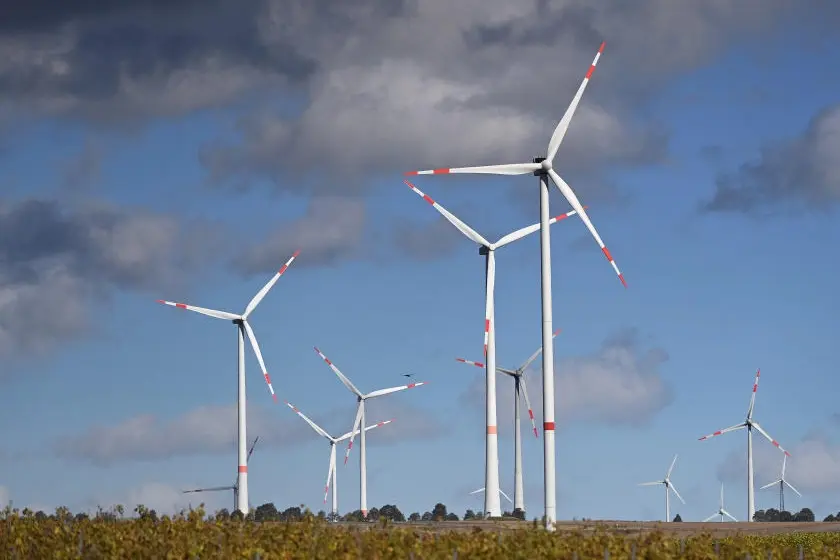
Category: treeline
[770,515]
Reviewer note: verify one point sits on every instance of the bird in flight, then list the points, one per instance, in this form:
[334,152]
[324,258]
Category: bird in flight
[408,375]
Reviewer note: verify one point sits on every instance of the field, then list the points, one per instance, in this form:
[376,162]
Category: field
[190,537]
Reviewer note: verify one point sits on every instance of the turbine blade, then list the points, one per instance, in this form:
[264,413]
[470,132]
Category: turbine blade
[470,362]
[752,397]
[723,431]
[251,450]
[478,491]
[203,310]
[775,482]
[770,439]
[256,348]
[270,284]
[792,488]
[451,218]
[729,515]
[671,468]
[651,483]
[528,404]
[784,465]
[505,495]
[367,429]
[356,429]
[563,125]
[329,471]
[380,392]
[526,231]
[213,489]
[341,376]
[536,353]
[488,298]
[573,200]
[504,169]
[710,517]
[313,425]
[674,488]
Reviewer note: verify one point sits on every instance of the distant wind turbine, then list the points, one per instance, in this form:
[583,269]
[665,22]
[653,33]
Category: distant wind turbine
[234,486]
[721,510]
[782,482]
[668,486]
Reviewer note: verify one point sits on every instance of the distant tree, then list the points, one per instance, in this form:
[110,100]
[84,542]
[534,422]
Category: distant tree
[759,516]
[805,515]
[373,514]
[785,516]
[266,512]
[391,513]
[439,512]
[354,516]
[291,514]
[479,515]
[237,515]
[451,517]
[519,514]
[677,519]
[468,515]
[81,516]
[414,517]
[222,515]
[830,519]
[427,516]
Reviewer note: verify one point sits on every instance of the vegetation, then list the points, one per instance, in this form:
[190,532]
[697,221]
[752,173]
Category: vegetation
[192,535]
[804,515]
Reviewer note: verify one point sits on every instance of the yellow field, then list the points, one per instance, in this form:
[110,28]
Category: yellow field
[190,537]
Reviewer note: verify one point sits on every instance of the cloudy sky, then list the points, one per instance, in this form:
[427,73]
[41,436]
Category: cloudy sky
[184,149]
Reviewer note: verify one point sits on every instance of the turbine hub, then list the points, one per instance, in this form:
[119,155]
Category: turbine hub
[546,165]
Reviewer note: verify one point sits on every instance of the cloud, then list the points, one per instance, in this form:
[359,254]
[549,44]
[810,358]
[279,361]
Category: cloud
[330,231]
[802,172]
[427,241]
[82,171]
[619,384]
[57,261]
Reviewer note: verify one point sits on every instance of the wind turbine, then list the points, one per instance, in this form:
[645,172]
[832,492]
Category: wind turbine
[749,424]
[781,482]
[721,510]
[668,486]
[501,493]
[543,167]
[243,328]
[492,506]
[331,473]
[233,487]
[520,390]
[359,424]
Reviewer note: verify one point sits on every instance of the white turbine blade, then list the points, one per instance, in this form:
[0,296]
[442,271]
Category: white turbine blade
[784,465]
[329,473]
[723,431]
[674,488]
[203,310]
[213,489]
[341,376]
[528,404]
[721,495]
[526,231]
[504,169]
[480,490]
[651,483]
[380,392]
[573,200]
[356,429]
[251,450]
[789,485]
[710,517]
[536,353]
[770,439]
[471,363]
[489,299]
[261,294]
[729,515]
[256,348]
[451,218]
[505,495]
[306,419]
[754,390]
[511,372]
[775,482]
[367,429]
[671,468]
[563,125]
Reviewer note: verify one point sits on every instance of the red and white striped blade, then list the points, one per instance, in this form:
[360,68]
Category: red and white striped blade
[504,169]
[725,430]
[451,218]
[528,404]
[356,428]
[261,294]
[470,362]
[341,376]
[203,310]
[536,353]
[488,297]
[256,348]
[381,392]
[563,125]
[329,472]
[524,232]
[367,429]
[754,391]
[769,438]
[573,200]
[312,424]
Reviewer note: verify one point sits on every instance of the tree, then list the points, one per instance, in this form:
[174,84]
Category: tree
[266,512]
[222,515]
[291,514]
[759,516]
[439,512]
[468,515]
[677,518]
[451,517]
[427,516]
[519,514]
[414,517]
[805,515]
[785,516]
[391,513]
[830,519]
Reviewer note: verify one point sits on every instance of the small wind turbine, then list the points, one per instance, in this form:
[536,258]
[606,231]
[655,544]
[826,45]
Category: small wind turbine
[520,392]
[668,486]
[243,328]
[359,424]
[501,493]
[492,506]
[721,510]
[749,424]
[543,168]
[233,487]
[782,482]
[331,473]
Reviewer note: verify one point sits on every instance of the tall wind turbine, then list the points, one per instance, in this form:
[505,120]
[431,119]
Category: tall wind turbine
[501,493]
[492,507]
[359,424]
[721,510]
[243,328]
[520,392]
[782,482]
[543,167]
[331,473]
[234,486]
[750,424]
[668,486]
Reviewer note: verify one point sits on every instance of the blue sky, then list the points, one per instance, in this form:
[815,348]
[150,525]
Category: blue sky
[113,398]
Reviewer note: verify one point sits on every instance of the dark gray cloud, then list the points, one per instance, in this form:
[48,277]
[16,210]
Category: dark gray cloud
[56,262]
[803,173]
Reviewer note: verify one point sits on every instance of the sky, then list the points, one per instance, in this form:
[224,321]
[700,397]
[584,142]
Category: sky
[184,151]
